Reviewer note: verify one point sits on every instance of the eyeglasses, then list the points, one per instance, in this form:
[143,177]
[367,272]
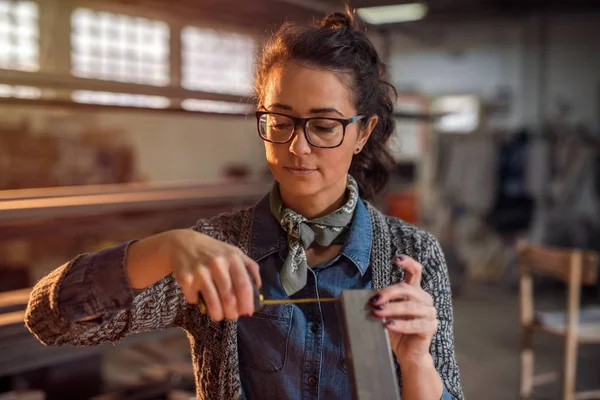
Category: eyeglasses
[325,133]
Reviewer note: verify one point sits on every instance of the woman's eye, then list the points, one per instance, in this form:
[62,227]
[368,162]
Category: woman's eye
[324,129]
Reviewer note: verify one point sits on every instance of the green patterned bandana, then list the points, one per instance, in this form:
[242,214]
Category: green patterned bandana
[302,232]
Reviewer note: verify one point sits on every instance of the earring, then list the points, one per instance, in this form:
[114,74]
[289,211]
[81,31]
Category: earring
[357,150]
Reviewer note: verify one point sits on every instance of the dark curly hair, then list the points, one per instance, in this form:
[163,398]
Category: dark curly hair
[338,43]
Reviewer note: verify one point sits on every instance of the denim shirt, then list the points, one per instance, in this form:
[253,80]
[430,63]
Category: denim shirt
[296,351]
[285,351]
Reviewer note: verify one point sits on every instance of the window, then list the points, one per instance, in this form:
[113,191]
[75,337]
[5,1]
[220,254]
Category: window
[20,92]
[217,62]
[119,48]
[19,34]
[461,113]
[221,107]
[120,99]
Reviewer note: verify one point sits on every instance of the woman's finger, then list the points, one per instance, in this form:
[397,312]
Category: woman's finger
[404,310]
[220,272]
[243,286]
[398,292]
[413,270]
[184,275]
[421,326]
[253,268]
[210,296]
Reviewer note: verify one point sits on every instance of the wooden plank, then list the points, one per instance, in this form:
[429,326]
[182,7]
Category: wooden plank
[370,362]
[571,345]
[112,188]
[14,300]
[526,311]
[12,318]
[101,204]
[555,262]
[20,351]
[142,221]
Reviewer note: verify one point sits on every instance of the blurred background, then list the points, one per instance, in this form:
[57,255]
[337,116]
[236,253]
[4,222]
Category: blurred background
[123,118]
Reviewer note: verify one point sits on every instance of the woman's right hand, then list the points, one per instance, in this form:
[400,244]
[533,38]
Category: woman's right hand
[200,264]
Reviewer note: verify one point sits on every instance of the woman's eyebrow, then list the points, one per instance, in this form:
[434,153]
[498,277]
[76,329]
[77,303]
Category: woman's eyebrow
[325,110]
[322,110]
[281,106]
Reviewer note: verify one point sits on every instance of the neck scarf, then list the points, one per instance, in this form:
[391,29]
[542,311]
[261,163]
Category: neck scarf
[302,232]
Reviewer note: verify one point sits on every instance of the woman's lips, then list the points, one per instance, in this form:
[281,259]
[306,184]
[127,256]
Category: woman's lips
[299,171]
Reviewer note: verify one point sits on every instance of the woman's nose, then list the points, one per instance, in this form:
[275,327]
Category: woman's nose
[299,145]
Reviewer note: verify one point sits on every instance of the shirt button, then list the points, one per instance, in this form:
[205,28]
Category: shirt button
[315,328]
[312,381]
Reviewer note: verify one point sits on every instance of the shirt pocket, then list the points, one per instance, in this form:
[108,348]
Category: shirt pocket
[263,338]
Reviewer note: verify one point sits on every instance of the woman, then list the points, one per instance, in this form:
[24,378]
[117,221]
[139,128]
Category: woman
[325,114]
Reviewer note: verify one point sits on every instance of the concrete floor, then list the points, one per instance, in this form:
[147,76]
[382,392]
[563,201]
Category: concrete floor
[487,346]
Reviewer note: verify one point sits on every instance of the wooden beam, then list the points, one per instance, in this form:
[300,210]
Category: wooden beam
[55,36]
[175,58]
[23,210]
[12,318]
[14,300]
[160,213]
[251,16]
[61,82]
[72,105]
[20,351]
[136,222]
[112,188]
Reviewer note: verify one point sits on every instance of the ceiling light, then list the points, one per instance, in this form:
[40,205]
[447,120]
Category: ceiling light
[393,14]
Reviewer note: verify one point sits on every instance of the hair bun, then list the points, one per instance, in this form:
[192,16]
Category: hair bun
[338,20]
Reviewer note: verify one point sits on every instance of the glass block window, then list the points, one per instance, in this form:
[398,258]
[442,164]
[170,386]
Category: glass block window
[20,92]
[19,35]
[220,107]
[120,99]
[217,62]
[119,48]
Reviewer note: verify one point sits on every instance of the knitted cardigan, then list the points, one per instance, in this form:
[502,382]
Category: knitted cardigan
[214,344]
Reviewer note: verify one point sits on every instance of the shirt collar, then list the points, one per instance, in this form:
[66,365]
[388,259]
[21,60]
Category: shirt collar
[268,237]
[358,244]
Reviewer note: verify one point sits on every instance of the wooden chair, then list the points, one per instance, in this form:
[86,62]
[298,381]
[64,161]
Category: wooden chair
[576,268]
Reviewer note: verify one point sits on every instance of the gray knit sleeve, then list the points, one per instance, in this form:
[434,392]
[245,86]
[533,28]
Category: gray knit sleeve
[160,306]
[437,283]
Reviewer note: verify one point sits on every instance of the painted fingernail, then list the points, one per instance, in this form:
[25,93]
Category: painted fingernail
[379,307]
[399,258]
[375,298]
[391,322]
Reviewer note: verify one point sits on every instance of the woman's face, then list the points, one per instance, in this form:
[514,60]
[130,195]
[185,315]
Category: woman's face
[302,169]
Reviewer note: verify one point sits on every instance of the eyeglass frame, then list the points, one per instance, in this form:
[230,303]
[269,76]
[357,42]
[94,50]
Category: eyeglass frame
[304,122]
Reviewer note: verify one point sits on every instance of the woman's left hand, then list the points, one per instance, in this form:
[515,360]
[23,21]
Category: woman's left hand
[409,313]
